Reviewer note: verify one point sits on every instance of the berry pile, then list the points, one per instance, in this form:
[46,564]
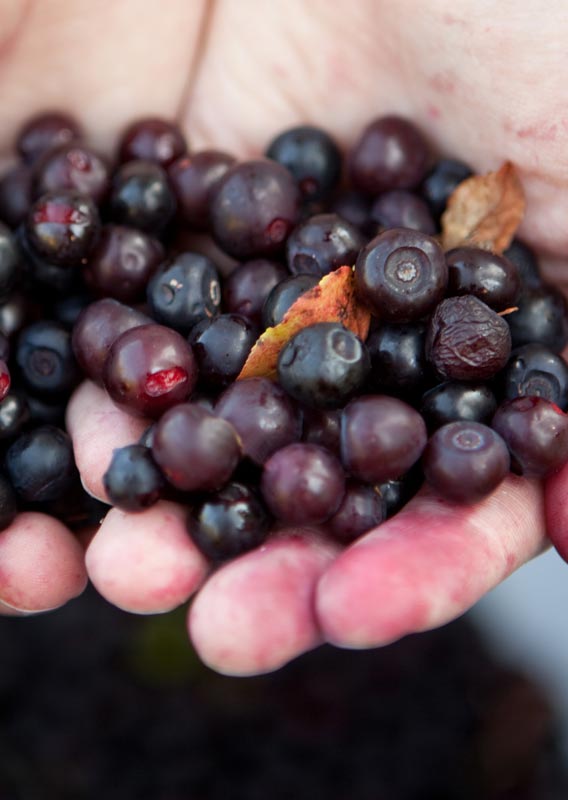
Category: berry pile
[459,380]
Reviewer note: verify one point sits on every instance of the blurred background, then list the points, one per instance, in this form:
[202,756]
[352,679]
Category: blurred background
[97,703]
[525,623]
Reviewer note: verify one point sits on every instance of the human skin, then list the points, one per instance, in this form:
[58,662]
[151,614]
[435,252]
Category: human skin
[484,81]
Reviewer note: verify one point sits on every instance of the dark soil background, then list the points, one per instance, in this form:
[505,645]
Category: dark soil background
[96,703]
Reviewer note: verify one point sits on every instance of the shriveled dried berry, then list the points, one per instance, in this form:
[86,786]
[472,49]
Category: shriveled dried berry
[466,340]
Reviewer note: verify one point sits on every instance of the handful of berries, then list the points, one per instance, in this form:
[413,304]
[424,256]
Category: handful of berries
[269,403]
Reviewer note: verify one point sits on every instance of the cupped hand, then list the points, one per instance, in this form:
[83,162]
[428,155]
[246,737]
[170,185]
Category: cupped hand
[485,84]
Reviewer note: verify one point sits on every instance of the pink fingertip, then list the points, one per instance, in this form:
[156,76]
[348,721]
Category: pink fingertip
[145,563]
[256,613]
[428,565]
[97,427]
[41,564]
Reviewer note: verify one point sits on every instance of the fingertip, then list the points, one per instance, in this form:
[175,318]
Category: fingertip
[428,564]
[145,563]
[256,613]
[41,564]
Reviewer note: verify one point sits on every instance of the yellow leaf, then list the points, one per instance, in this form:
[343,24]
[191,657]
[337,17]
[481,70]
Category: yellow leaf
[332,300]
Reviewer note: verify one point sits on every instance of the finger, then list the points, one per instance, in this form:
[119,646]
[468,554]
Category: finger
[145,563]
[41,564]
[556,509]
[256,613]
[97,427]
[56,54]
[428,564]
[248,111]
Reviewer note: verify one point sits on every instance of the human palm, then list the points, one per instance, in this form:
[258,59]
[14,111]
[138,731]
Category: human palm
[484,83]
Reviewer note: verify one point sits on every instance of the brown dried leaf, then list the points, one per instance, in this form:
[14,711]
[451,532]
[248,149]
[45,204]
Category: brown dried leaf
[484,211]
[332,300]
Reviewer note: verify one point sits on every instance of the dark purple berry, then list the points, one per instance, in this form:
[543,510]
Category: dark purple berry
[356,209]
[312,157]
[14,415]
[303,484]
[221,346]
[542,317]
[536,433]
[262,414]
[467,340]
[133,481]
[486,275]
[322,244]
[323,365]
[196,450]
[526,262]
[152,139]
[72,167]
[245,290]
[149,369]
[141,197]
[254,209]
[122,263]
[398,358]
[97,327]
[401,275]
[63,227]
[45,359]
[283,296]
[43,273]
[453,401]
[465,461]
[185,291]
[40,464]
[443,178]
[381,438]
[228,523]
[535,371]
[390,154]
[402,209]
[45,131]
[362,509]
[194,179]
